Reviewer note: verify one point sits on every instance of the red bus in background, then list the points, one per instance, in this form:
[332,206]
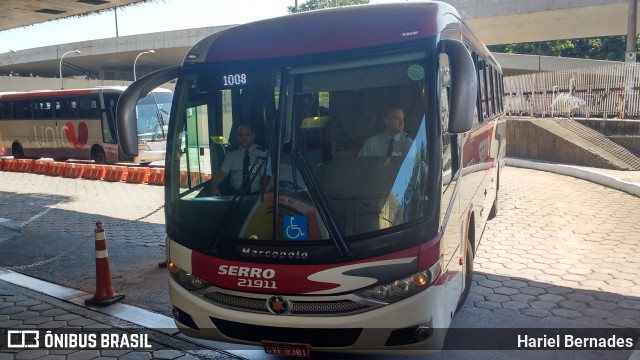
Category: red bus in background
[80,124]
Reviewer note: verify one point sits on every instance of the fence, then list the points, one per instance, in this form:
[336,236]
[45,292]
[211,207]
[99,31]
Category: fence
[610,91]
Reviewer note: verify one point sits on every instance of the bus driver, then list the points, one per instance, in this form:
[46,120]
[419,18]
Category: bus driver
[241,165]
[393,141]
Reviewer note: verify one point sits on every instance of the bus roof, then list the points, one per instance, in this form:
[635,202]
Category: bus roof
[68,92]
[325,30]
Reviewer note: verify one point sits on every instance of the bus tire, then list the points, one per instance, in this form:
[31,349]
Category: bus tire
[468,276]
[17,151]
[98,156]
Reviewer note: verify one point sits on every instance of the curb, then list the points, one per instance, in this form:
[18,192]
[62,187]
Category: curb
[578,172]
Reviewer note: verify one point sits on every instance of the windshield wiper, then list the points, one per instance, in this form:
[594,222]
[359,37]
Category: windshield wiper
[320,203]
[237,199]
[159,120]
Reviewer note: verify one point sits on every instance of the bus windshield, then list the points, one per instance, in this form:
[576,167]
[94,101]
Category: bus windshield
[153,116]
[319,128]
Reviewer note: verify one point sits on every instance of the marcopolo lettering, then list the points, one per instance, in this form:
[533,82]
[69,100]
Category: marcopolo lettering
[275,254]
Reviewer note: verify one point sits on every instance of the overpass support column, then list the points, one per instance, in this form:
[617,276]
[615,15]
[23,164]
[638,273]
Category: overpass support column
[631,31]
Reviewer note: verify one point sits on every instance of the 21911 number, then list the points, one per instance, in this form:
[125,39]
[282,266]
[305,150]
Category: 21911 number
[257,283]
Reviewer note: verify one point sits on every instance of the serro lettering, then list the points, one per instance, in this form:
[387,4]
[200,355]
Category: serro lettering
[243,271]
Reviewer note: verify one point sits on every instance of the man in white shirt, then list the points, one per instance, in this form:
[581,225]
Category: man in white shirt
[393,141]
[242,164]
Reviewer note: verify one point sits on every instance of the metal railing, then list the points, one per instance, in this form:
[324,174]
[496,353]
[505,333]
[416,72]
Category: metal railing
[610,91]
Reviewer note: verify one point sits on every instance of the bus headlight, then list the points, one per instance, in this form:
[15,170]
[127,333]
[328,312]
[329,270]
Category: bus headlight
[188,281]
[401,288]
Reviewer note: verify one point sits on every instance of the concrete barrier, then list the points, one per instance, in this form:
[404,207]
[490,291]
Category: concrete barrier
[116,173]
[94,172]
[577,172]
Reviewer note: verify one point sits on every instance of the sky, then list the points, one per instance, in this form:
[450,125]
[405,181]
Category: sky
[164,15]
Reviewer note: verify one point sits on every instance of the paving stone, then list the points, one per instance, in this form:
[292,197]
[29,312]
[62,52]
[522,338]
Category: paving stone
[530,290]
[114,353]
[53,324]
[546,305]
[481,290]
[579,296]
[489,283]
[53,312]
[621,321]
[31,354]
[604,305]
[166,354]
[499,298]
[573,305]
[514,305]
[83,355]
[24,315]
[67,317]
[629,304]
[13,310]
[536,312]
[38,320]
[566,313]
[516,284]
[506,290]
[491,305]
[551,297]
[137,356]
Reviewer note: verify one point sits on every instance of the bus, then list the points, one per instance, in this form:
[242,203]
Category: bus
[80,124]
[339,252]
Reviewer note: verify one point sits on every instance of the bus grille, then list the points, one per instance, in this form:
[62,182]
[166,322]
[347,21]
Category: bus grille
[337,337]
[297,307]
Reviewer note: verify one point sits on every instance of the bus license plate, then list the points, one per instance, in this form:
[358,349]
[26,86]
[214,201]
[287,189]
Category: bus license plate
[298,350]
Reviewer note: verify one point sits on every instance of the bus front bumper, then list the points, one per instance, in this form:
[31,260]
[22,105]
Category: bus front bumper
[388,329]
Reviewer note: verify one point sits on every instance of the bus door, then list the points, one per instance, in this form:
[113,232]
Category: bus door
[108,128]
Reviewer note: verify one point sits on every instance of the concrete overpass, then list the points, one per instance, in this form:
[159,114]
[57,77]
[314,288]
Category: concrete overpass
[496,21]
[19,13]
[517,21]
[110,58]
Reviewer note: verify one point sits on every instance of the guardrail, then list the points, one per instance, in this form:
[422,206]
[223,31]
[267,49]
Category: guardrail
[114,173]
[610,91]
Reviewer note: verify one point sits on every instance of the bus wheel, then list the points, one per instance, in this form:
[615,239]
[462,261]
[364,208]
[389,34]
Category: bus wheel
[16,150]
[99,157]
[468,276]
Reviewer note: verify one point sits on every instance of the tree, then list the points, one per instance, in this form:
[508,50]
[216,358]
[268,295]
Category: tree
[322,4]
[598,48]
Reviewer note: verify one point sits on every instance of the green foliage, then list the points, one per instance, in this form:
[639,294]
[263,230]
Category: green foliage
[322,4]
[600,48]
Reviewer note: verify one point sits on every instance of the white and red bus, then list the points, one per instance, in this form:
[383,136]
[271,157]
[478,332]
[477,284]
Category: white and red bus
[79,124]
[339,252]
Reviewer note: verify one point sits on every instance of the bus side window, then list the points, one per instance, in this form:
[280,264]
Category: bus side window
[5,110]
[22,109]
[95,109]
[88,108]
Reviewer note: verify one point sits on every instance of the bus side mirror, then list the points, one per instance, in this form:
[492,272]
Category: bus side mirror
[126,118]
[464,86]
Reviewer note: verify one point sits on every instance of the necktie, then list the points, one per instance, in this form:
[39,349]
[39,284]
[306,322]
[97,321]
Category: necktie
[245,168]
[390,148]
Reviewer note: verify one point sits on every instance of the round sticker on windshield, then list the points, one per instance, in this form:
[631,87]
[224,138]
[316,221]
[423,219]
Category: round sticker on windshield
[415,72]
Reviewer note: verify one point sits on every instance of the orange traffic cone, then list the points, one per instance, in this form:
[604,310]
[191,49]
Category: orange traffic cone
[105,295]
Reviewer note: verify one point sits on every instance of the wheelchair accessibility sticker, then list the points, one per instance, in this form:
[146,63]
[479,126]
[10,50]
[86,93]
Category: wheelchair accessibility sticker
[295,227]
